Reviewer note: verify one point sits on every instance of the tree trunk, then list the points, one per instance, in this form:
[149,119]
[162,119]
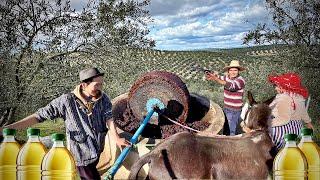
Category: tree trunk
[4,116]
[10,115]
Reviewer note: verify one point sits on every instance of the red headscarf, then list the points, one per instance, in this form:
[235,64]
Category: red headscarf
[290,82]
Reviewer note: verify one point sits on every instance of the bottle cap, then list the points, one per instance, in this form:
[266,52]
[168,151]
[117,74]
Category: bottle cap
[57,137]
[306,132]
[33,132]
[9,132]
[290,137]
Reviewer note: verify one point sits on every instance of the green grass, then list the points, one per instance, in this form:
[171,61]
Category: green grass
[46,129]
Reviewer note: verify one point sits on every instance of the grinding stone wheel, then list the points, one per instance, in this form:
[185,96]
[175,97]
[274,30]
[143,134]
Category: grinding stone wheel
[164,86]
[201,109]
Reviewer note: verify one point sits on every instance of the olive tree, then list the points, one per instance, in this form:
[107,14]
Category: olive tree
[295,25]
[41,42]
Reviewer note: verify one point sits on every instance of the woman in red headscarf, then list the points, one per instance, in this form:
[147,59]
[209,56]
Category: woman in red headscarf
[288,108]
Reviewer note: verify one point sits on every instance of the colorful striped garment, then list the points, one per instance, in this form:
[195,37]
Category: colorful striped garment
[288,114]
[233,92]
[277,133]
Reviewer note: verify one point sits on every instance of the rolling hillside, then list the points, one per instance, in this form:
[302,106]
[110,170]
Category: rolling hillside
[123,67]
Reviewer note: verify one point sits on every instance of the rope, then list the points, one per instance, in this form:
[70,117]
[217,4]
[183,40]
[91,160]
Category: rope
[177,123]
[160,112]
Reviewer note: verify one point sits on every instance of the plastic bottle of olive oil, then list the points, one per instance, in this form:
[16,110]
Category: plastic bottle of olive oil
[58,163]
[9,150]
[312,153]
[30,157]
[290,162]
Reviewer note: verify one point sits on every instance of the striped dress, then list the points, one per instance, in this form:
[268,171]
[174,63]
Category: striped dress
[278,132]
[288,114]
[233,92]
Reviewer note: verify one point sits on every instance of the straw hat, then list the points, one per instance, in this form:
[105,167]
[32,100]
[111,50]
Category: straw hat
[290,82]
[234,64]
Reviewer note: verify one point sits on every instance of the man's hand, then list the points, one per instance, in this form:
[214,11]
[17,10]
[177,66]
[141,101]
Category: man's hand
[122,142]
[211,76]
[114,134]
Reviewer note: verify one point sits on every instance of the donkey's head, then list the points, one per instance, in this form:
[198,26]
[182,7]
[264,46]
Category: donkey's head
[256,114]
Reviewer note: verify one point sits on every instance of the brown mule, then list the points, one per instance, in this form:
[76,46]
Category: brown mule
[193,156]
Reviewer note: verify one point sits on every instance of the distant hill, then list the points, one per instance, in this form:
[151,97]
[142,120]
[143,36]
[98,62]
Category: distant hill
[245,49]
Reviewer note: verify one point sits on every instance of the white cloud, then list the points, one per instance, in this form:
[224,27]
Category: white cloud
[195,11]
[230,19]
[181,30]
[181,24]
[212,24]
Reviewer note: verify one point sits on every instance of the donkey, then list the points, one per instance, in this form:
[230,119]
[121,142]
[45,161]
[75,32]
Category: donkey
[194,156]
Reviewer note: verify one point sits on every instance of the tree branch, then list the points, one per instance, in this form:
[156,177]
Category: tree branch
[18,4]
[281,10]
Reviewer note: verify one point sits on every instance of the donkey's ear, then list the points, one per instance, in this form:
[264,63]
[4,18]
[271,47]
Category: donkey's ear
[268,101]
[251,99]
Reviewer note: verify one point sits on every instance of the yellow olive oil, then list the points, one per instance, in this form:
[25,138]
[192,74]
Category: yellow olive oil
[290,162]
[30,157]
[58,163]
[312,153]
[9,150]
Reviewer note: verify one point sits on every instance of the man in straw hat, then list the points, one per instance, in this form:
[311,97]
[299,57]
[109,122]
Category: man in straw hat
[233,92]
[288,108]
[87,113]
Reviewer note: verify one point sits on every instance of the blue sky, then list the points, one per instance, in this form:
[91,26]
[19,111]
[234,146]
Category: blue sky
[200,24]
